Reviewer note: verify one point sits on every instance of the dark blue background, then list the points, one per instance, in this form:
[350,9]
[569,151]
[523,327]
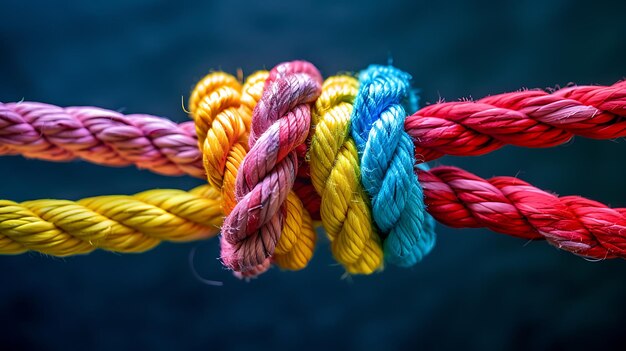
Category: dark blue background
[477,290]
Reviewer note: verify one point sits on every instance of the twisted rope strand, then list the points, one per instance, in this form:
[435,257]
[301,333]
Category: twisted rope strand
[531,118]
[100,136]
[280,123]
[387,164]
[221,131]
[116,223]
[511,206]
[336,175]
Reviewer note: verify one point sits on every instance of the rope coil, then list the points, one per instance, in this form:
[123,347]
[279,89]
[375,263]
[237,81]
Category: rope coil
[285,148]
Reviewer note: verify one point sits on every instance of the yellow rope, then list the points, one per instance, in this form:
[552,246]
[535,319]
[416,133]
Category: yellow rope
[222,112]
[118,223]
[335,174]
[222,132]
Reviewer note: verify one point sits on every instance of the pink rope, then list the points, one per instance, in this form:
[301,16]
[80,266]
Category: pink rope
[280,123]
[100,136]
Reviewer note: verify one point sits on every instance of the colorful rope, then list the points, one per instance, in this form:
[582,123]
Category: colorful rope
[509,205]
[461,128]
[359,157]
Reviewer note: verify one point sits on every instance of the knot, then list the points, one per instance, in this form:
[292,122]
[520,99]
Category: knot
[388,165]
[336,175]
[280,123]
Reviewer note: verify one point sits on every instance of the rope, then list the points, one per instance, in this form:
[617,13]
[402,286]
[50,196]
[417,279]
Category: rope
[511,206]
[530,118]
[387,163]
[267,173]
[455,197]
[222,110]
[100,136]
[335,172]
[116,223]
[252,143]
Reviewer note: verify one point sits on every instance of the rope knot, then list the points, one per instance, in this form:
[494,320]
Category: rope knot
[336,175]
[387,164]
[280,123]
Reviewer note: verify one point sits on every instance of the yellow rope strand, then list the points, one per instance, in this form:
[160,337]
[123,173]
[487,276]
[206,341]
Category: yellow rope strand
[335,174]
[118,223]
[222,133]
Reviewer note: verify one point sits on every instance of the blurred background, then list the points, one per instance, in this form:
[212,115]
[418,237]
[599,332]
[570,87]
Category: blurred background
[477,290]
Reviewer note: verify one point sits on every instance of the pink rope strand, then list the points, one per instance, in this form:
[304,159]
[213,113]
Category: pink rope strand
[100,136]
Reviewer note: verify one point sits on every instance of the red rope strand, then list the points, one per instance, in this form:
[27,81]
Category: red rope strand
[530,118]
[511,206]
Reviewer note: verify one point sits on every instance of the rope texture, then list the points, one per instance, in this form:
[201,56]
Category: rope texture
[100,136]
[511,206]
[529,118]
[454,197]
[116,223]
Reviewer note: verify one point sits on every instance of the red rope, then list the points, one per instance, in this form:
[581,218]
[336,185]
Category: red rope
[530,118]
[511,206]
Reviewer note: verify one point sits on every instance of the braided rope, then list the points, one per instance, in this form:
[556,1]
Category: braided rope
[336,175]
[223,110]
[455,197]
[221,131]
[118,223]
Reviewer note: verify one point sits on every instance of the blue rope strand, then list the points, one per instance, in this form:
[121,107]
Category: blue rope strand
[387,165]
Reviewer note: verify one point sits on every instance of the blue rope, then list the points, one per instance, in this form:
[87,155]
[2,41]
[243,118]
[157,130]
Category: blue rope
[387,165]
